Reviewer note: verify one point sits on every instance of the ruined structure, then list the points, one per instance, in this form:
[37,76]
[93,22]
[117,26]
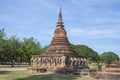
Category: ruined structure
[111,72]
[59,54]
[113,67]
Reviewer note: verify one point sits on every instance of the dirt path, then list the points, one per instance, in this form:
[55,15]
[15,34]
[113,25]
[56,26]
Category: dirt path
[12,69]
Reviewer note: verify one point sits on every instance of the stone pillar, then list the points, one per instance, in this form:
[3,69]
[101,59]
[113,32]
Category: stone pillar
[50,61]
[63,60]
[75,61]
[71,63]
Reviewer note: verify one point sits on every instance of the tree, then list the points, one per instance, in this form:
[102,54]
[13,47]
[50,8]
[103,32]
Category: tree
[13,45]
[28,48]
[85,51]
[109,57]
[43,50]
[2,33]
[12,49]
[2,45]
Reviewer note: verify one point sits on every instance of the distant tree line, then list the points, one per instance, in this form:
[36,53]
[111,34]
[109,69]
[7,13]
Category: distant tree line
[86,52]
[12,49]
[93,56]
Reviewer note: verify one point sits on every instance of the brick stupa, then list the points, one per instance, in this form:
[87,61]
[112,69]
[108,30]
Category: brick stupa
[60,43]
[59,54]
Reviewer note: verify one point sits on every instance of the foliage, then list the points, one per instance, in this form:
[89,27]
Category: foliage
[19,51]
[28,48]
[2,33]
[85,51]
[109,57]
[43,50]
[2,44]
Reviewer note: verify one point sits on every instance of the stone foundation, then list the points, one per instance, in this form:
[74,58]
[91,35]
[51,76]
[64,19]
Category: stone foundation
[105,75]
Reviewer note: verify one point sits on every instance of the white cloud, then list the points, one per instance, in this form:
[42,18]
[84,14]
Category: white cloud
[94,2]
[107,48]
[94,32]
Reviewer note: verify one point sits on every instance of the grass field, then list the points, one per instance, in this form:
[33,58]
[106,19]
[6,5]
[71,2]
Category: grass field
[24,75]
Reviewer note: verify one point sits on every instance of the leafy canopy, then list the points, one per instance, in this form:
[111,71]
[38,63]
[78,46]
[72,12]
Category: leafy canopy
[85,51]
[109,57]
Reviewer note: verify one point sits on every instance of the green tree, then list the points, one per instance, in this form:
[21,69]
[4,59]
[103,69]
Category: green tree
[2,45]
[2,33]
[85,51]
[109,57]
[28,48]
[19,51]
[13,45]
[43,50]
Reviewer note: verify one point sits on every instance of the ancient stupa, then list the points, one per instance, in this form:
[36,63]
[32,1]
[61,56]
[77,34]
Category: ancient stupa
[59,54]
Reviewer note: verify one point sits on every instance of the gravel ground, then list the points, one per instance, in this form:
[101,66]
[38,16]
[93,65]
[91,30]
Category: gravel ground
[12,69]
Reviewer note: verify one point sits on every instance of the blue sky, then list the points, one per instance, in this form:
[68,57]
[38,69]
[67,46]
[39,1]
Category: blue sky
[95,23]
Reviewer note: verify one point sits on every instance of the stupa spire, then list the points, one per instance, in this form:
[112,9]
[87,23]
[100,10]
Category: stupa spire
[60,17]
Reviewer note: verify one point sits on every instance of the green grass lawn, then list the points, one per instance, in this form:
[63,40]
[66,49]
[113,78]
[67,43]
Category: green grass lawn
[24,75]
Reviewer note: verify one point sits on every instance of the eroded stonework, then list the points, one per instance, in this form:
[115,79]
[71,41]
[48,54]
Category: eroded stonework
[59,54]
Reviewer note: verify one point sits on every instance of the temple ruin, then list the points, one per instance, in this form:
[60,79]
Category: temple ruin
[59,54]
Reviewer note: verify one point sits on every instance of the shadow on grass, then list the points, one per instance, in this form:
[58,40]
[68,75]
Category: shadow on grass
[49,77]
[4,72]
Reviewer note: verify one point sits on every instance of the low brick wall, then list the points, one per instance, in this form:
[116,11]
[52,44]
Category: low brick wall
[105,75]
